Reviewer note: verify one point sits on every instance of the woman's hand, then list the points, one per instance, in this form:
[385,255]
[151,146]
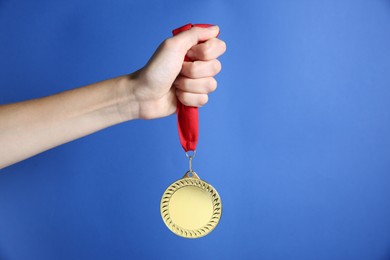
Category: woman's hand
[166,77]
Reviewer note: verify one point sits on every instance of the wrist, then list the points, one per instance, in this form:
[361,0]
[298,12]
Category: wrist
[137,100]
[127,104]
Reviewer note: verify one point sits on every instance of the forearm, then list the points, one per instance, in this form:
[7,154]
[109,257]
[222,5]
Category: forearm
[30,127]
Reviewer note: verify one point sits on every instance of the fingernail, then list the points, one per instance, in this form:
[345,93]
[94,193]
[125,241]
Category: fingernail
[214,27]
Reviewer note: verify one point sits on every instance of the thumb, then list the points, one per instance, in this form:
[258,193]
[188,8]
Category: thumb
[185,40]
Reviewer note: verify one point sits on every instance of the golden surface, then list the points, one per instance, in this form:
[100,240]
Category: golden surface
[191,207]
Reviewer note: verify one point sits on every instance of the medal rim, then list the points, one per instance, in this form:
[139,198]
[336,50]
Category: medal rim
[203,185]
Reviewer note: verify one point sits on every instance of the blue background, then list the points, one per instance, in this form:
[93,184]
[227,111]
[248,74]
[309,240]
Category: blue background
[296,138]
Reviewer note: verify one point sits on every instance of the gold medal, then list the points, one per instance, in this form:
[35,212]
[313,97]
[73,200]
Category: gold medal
[190,207]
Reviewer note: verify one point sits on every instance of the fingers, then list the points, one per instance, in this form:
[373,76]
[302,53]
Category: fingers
[208,50]
[193,92]
[201,69]
[196,78]
[196,86]
[191,99]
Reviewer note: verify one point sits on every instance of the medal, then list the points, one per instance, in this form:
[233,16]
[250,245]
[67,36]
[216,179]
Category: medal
[190,207]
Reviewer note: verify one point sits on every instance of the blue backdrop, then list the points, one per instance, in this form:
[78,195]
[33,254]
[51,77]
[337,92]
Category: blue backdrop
[296,138]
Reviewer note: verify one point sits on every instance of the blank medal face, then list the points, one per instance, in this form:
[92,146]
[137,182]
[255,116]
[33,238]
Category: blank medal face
[190,207]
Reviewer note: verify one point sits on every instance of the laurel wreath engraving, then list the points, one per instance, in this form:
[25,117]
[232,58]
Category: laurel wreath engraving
[216,201]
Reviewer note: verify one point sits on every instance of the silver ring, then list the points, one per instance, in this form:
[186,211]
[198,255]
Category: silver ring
[192,155]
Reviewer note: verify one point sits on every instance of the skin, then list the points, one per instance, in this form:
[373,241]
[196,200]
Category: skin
[31,127]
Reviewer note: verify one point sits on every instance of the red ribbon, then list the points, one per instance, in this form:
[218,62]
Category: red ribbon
[187,117]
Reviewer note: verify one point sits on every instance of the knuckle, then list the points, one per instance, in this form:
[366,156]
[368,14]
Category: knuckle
[212,85]
[172,44]
[223,46]
[206,51]
[168,43]
[217,66]
[203,99]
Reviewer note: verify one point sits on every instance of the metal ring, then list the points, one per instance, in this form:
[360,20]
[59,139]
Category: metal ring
[191,156]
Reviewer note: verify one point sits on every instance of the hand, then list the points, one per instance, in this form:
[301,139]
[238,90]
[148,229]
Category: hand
[166,77]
